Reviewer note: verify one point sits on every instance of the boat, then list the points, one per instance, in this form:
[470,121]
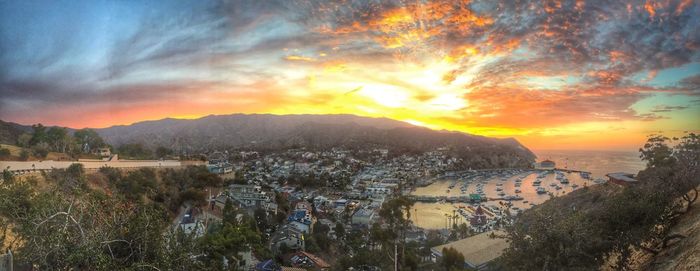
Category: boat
[517,184]
[557,187]
[585,175]
[574,185]
[552,184]
[526,201]
[541,190]
[499,189]
[501,194]
[518,191]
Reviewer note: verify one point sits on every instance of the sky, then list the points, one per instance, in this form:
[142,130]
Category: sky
[552,74]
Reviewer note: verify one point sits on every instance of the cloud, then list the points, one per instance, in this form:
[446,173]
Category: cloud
[667,108]
[495,65]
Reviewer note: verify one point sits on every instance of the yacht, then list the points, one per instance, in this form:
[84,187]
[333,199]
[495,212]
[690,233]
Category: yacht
[518,191]
[541,190]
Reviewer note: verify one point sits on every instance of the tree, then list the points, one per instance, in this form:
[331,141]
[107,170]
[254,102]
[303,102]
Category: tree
[88,140]
[38,134]
[58,139]
[4,153]
[396,213]
[452,259]
[134,150]
[23,155]
[41,149]
[162,152]
[24,140]
[7,176]
[339,230]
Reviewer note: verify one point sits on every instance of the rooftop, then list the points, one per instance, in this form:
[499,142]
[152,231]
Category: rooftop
[478,249]
[622,176]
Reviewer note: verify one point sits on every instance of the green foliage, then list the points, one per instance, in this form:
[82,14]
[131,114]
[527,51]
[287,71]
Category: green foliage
[339,230]
[231,236]
[4,153]
[162,152]
[89,138]
[584,229]
[452,259]
[7,176]
[187,184]
[23,155]
[136,184]
[70,179]
[134,151]
[38,134]
[40,150]
[89,231]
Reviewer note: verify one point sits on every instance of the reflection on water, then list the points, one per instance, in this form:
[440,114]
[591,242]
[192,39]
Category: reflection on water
[598,163]
[433,215]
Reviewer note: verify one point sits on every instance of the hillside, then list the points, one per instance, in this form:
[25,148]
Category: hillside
[683,254]
[266,132]
[273,132]
[9,132]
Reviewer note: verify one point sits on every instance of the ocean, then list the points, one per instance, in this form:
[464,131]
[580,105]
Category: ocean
[598,163]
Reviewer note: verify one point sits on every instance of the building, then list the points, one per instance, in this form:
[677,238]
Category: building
[363,217]
[268,265]
[102,152]
[479,218]
[478,250]
[621,178]
[220,168]
[248,196]
[290,236]
[308,261]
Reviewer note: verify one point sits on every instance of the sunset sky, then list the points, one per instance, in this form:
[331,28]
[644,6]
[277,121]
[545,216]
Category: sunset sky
[554,75]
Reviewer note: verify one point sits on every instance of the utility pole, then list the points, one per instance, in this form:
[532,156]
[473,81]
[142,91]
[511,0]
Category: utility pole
[396,257]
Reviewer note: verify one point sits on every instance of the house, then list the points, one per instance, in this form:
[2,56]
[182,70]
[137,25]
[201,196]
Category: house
[102,152]
[302,227]
[268,265]
[308,261]
[363,217]
[290,236]
[478,250]
[341,203]
[621,178]
[220,168]
[248,196]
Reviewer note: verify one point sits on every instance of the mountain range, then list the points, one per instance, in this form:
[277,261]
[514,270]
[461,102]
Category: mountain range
[271,132]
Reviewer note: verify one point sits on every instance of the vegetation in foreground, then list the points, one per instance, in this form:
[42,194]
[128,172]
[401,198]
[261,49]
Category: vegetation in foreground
[601,226]
[74,223]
